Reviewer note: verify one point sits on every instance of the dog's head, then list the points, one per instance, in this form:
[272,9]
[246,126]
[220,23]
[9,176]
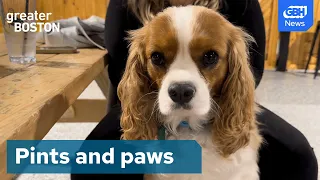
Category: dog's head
[189,63]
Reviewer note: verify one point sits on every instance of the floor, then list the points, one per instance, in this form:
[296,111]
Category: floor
[294,96]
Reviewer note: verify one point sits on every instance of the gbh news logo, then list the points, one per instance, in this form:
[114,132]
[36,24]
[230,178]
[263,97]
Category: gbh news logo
[295,15]
[297,12]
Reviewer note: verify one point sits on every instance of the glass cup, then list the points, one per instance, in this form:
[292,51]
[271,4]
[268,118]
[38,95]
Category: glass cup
[21,42]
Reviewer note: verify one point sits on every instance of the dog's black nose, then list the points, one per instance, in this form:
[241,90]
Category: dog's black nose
[181,93]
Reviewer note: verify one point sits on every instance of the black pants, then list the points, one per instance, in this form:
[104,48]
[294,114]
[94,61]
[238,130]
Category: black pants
[287,154]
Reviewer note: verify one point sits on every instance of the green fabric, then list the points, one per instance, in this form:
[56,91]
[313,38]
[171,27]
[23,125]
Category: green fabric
[161,133]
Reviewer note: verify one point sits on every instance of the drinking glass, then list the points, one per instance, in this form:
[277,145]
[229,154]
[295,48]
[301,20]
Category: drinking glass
[21,44]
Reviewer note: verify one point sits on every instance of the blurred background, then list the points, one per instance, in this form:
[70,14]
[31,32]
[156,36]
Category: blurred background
[298,46]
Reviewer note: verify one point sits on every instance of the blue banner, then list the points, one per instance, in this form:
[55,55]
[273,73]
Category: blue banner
[295,15]
[103,157]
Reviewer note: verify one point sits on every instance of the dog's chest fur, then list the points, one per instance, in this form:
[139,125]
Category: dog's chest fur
[242,165]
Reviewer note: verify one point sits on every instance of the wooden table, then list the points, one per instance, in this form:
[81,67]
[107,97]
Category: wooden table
[34,97]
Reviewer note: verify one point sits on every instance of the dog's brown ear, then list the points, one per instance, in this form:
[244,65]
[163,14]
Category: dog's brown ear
[232,129]
[136,121]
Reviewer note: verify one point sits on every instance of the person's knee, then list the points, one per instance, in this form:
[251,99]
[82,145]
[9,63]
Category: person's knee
[109,127]
[306,159]
[307,155]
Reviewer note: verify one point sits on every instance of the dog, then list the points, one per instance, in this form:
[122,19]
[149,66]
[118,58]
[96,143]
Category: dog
[189,64]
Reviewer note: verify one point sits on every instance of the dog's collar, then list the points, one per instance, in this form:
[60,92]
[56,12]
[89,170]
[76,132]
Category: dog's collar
[162,133]
[162,130]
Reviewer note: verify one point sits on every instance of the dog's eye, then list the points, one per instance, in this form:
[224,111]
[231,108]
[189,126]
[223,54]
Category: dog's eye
[157,59]
[210,58]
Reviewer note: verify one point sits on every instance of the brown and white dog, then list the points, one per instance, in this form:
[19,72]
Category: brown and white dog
[191,64]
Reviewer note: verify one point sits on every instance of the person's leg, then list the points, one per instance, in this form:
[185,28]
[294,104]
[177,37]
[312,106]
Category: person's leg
[107,129]
[286,153]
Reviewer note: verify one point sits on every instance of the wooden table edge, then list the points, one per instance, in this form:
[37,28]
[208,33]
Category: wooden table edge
[45,121]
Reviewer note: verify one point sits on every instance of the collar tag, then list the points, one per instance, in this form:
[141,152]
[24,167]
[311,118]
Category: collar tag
[184,124]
